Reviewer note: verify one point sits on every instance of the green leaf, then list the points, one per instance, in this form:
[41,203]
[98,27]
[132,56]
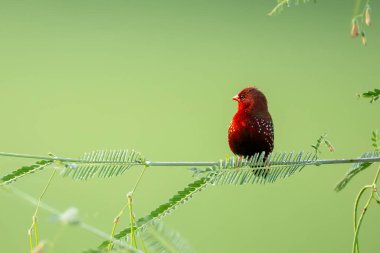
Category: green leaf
[161,239]
[373,95]
[317,146]
[23,171]
[257,169]
[355,169]
[178,199]
[368,94]
[103,163]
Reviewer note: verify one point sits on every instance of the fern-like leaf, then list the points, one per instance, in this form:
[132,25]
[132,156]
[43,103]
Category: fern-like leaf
[23,171]
[355,169]
[180,198]
[257,169]
[103,163]
[161,239]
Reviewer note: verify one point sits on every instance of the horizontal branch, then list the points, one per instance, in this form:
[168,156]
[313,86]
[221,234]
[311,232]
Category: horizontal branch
[61,159]
[158,163]
[50,158]
[312,162]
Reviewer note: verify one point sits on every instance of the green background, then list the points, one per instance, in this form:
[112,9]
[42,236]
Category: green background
[158,76]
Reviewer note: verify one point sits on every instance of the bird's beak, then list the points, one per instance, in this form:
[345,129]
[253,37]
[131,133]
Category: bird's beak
[236,98]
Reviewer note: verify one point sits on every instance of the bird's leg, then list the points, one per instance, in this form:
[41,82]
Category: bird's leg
[239,162]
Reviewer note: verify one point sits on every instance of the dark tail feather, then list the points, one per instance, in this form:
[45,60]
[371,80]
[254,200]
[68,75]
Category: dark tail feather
[261,172]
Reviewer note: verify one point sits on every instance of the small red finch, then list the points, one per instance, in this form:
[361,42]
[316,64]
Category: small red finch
[251,129]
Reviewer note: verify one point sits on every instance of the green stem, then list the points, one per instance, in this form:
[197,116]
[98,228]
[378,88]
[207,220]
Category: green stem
[113,233]
[34,226]
[44,191]
[30,240]
[115,222]
[132,222]
[131,216]
[35,230]
[377,176]
[357,7]
[139,179]
[279,5]
[357,225]
[375,194]
[357,203]
[355,243]
[129,204]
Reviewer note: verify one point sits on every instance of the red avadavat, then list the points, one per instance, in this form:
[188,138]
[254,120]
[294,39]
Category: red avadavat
[251,129]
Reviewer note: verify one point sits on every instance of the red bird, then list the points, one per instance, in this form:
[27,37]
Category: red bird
[251,129]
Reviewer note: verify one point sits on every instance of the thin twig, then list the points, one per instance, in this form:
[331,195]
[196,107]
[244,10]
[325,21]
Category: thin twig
[376,177]
[139,179]
[115,222]
[279,5]
[355,246]
[129,204]
[168,163]
[34,227]
[312,162]
[132,221]
[131,214]
[357,224]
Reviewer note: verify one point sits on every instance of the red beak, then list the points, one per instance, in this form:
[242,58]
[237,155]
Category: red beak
[236,98]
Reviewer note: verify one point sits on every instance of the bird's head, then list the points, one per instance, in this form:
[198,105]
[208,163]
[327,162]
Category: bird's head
[252,100]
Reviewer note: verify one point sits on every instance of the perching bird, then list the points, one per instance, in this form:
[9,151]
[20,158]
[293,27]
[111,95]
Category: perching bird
[251,129]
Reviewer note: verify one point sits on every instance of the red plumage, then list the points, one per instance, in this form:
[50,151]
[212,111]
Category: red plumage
[251,129]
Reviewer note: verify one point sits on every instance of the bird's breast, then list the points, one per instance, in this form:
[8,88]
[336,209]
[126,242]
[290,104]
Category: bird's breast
[248,135]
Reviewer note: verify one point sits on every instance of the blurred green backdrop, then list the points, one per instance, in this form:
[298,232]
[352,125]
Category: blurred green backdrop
[158,76]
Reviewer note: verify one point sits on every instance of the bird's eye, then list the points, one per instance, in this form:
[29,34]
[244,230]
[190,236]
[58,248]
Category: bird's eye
[241,96]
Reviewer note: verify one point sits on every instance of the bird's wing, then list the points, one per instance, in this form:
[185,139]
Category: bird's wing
[264,128]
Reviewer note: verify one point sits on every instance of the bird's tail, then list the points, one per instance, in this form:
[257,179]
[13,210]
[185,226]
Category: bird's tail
[261,172]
